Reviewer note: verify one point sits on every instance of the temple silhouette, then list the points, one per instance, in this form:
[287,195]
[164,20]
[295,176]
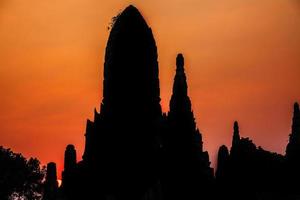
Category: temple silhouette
[135,151]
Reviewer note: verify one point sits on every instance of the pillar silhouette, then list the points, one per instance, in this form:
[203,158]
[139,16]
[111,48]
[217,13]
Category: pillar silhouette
[51,184]
[69,173]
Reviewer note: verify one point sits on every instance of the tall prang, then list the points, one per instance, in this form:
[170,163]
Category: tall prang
[122,143]
[183,146]
[131,84]
[181,117]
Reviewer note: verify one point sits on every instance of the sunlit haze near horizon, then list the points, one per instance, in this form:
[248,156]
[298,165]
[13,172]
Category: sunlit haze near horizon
[242,62]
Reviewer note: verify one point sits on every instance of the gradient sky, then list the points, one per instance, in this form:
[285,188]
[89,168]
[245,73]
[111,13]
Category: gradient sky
[242,61]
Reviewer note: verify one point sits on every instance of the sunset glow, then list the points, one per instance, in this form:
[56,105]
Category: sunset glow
[242,62]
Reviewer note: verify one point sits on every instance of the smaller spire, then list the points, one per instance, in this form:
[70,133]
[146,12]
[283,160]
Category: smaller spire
[236,129]
[51,176]
[51,184]
[236,135]
[223,155]
[180,84]
[180,63]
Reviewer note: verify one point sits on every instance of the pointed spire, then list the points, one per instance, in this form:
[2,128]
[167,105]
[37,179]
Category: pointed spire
[180,63]
[180,102]
[236,135]
[180,84]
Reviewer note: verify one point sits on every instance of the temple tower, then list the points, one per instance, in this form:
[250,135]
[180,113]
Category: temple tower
[183,146]
[122,142]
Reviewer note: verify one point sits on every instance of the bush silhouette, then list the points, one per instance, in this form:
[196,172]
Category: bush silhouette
[20,178]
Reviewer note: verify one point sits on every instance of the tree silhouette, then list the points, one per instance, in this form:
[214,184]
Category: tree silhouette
[19,177]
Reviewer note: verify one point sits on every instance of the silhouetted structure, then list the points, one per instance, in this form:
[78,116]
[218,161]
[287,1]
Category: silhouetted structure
[236,136]
[69,173]
[70,158]
[121,151]
[249,172]
[134,151]
[223,157]
[129,141]
[187,173]
[51,184]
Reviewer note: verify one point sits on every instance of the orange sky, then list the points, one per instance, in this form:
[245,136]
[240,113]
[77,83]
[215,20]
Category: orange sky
[242,61]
